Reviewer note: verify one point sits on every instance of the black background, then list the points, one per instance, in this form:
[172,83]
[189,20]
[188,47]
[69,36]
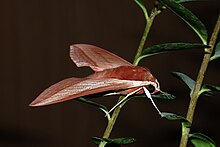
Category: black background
[34,53]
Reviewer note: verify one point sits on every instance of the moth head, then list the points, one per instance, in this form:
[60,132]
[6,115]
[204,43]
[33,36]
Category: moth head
[154,87]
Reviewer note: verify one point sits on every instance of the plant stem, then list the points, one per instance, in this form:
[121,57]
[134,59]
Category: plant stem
[111,122]
[149,22]
[117,110]
[198,85]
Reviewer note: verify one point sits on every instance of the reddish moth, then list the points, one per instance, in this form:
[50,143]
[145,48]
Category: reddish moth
[113,75]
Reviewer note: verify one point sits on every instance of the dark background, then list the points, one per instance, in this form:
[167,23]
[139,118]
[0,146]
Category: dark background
[34,53]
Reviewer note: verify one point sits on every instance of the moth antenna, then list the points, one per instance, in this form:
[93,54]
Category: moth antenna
[149,96]
[124,99]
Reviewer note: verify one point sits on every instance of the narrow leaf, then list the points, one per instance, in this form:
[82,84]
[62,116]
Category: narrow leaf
[187,80]
[188,17]
[206,92]
[101,107]
[171,116]
[122,141]
[207,89]
[183,1]
[165,96]
[96,140]
[216,54]
[212,87]
[91,103]
[166,47]
[201,140]
[119,141]
[141,5]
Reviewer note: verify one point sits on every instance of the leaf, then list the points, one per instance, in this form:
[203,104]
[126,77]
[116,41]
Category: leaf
[188,17]
[166,47]
[216,54]
[165,96]
[201,140]
[118,141]
[207,89]
[183,1]
[171,116]
[122,141]
[96,140]
[187,80]
[212,87]
[206,92]
[101,107]
[91,103]
[141,5]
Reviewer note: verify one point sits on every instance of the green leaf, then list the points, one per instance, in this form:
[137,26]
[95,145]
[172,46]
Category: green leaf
[96,140]
[207,89]
[122,141]
[212,87]
[144,9]
[101,107]
[91,103]
[188,17]
[183,1]
[165,96]
[206,92]
[118,141]
[216,54]
[187,80]
[171,116]
[166,47]
[201,140]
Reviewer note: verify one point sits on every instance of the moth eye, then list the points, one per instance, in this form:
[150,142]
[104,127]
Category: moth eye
[151,88]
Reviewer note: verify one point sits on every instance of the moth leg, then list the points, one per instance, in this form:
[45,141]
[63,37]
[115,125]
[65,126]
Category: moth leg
[149,96]
[124,99]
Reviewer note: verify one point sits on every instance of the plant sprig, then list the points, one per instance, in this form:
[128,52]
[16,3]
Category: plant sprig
[149,21]
[195,86]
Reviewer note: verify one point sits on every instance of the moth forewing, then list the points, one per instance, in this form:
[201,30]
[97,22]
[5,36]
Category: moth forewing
[85,87]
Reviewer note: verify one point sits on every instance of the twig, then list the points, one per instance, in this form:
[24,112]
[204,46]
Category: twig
[200,77]
[116,112]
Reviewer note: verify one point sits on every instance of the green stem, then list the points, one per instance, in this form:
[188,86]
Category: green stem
[149,21]
[200,77]
[111,122]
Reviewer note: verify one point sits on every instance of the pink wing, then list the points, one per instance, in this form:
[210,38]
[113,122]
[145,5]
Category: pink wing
[76,87]
[96,58]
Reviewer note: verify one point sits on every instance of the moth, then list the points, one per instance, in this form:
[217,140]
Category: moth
[112,75]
